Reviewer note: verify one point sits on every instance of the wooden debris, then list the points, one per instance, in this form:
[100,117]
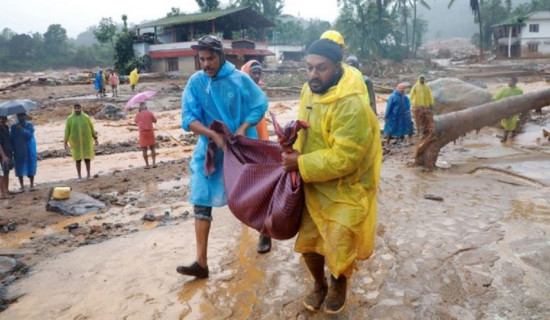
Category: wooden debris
[15,85]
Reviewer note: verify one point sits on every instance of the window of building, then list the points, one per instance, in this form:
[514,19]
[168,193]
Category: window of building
[172,64]
[533,47]
[534,27]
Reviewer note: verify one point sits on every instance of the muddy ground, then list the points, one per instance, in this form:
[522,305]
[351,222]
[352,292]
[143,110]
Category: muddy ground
[467,241]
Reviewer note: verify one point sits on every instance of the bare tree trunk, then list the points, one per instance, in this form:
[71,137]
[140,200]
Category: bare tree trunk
[404,4]
[451,126]
[480,32]
[414,30]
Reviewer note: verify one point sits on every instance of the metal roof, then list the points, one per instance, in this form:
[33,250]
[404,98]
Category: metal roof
[228,19]
[191,52]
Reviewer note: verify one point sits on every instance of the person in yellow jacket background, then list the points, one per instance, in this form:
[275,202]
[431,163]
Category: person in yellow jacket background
[134,78]
[339,158]
[422,103]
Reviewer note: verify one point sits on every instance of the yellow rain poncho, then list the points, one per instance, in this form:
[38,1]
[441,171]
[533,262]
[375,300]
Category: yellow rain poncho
[134,77]
[79,132]
[340,165]
[509,124]
[421,95]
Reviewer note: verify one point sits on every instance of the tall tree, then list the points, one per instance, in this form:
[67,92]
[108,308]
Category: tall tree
[124,22]
[106,31]
[314,30]
[208,5]
[476,10]
[414,41]
[369,27]
[55,40]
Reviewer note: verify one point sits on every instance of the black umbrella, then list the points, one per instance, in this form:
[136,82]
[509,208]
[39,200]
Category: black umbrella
[16,106]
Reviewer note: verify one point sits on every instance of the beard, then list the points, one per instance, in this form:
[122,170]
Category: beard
[317,86]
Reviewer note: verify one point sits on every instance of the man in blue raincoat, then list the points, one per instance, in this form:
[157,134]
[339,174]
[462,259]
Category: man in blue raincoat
[217,92]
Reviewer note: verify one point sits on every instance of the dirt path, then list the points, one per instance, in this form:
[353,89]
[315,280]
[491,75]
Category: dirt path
[480,253]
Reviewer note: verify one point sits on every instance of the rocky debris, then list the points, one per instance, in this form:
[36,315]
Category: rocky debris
[149,216]
[78,204]
[163,137]
[452,95]
[111,112]
[7,225]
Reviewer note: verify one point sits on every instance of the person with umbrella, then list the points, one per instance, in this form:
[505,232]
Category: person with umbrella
[144,120]
[24,149]
[6,157]
[80,135]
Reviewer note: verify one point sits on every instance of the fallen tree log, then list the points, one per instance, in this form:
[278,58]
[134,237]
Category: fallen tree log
[451,126]
[15,85]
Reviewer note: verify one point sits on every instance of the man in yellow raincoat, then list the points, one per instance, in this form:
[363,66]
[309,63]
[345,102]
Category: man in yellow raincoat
[422,103]
[339,158]
[509,124]
[133,78]
[80,136]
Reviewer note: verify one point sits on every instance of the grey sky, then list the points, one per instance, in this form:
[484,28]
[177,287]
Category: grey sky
[24,16]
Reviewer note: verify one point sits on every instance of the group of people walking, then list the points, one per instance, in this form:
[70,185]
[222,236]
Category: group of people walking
[104,79]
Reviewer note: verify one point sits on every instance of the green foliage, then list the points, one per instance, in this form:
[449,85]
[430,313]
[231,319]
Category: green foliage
[314,31]
[288,31]
[208,5]
[369,28]
[124,51]
[174,12]
[55,41]
[534,5]
[493,12]
[270,9]
[20,52]
[105,31]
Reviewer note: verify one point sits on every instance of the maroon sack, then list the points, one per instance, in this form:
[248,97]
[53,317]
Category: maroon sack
[260,193]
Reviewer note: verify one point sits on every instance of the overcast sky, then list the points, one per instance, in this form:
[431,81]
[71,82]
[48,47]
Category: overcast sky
[29,16]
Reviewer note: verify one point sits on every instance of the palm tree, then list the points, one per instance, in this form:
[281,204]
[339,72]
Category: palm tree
[476,10]
[413,4]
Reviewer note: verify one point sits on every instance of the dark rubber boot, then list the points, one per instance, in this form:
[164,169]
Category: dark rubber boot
[264,244]
[336,297]
[316,265]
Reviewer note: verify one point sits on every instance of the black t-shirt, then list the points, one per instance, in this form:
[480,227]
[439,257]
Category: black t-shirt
[5,141]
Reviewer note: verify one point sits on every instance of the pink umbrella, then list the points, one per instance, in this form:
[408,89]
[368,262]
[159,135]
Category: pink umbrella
[140,97]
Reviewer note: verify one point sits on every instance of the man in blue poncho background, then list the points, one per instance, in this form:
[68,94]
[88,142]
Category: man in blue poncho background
[217,92]
[24,149]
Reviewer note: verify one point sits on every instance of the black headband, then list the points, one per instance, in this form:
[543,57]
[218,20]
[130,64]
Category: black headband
[326,48]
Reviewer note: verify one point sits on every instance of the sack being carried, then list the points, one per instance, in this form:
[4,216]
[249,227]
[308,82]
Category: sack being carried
[260,193]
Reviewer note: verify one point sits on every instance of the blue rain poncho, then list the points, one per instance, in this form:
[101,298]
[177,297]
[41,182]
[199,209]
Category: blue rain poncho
[398,115]
[98,83]
[230,97]
[24,149]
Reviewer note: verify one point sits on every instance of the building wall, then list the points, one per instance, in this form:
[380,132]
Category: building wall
[279,49]
[140,49]
[541,38]
[186,66]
